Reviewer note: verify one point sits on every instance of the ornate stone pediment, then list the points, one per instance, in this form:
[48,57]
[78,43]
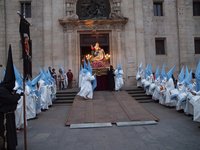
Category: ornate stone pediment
[93,24]
[98,21]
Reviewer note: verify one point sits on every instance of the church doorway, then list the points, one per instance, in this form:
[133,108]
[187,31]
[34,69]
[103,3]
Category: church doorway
[86,40]
[99,60]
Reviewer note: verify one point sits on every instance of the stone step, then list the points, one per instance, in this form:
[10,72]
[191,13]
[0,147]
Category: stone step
[66,92]
[140,95]
[65,95]
[136,92]
[134,89]
[65,98]
[62,101]
[142,98]
[146,101]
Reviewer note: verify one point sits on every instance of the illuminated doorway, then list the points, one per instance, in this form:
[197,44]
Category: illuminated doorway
[86,40]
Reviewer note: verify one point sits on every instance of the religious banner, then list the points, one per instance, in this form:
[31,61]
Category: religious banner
[26,47]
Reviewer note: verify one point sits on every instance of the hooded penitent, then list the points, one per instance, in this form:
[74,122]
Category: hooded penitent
[181,75]
[8,104]
[163,73]
[9,78]
[197,76]
[170,72]
[157,74]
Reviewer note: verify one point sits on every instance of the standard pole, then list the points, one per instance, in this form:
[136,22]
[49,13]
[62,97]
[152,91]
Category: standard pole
[24,111]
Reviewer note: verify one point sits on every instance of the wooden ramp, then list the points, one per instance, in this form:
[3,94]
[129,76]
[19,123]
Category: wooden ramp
[109,108]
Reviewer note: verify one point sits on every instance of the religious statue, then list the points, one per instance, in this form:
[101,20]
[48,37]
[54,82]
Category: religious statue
[98,52]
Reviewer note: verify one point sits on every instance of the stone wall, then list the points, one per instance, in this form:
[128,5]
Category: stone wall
[130,45]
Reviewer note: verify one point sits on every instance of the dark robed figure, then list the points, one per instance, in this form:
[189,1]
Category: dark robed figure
[111,80]
[8,104]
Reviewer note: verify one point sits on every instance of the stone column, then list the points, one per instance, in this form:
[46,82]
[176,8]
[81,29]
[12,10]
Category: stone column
[58,51]
[71,58]
[47,29]
[139,32]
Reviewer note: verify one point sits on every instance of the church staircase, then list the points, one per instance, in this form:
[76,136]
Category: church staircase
[65,96]
[139,95]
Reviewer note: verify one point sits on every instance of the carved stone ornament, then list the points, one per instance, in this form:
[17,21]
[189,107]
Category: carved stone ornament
[93,14]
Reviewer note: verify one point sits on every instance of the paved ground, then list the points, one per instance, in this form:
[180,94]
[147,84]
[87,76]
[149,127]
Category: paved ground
[175,131]
[107,107]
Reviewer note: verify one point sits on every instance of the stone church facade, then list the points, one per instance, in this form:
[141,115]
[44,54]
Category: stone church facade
[147,31]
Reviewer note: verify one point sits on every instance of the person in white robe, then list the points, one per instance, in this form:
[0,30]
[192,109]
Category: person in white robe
[168,88]
[181,98]
[195,100]
[139,76]
[86,90]
[153,84]
[30,101]
[19,114]
[191,97]
[119,82]
[156,93]
[162,91]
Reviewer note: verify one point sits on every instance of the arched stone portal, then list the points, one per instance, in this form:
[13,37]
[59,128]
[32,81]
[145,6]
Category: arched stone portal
[74,26]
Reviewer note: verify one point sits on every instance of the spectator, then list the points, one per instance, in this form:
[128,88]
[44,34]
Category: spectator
[61,79]
[70,78]
[54,75]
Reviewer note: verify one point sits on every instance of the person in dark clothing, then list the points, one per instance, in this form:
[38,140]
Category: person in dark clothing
[50,70]
[70,78]
[8,104]
[111,80]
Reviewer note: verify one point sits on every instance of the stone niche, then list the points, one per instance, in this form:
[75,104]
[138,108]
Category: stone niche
[112,23]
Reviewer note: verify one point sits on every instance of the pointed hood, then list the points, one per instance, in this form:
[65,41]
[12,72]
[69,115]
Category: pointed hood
[146,71]
[197,76]
[163,73]
[186,72]
[36,79]
[157,74]
[89,67]
[9,78]
[170,72]
[85,64]
[181,75]
[119,66]
[188,78]
[140,67]
[150,70]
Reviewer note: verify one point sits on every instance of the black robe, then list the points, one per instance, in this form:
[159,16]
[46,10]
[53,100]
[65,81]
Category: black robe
[8,104]
[111,80]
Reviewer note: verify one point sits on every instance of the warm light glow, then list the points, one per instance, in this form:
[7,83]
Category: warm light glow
[107,56]
[88,56]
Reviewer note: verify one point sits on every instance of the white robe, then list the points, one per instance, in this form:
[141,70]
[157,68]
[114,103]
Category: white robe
[169,87]
[19,114]
[44,95]
[139,77]
[181,103]
[119,82]
[86,87]
[156,93]
[30,104]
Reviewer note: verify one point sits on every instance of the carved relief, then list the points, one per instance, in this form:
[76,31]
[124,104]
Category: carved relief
[93,14]
[93,9]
